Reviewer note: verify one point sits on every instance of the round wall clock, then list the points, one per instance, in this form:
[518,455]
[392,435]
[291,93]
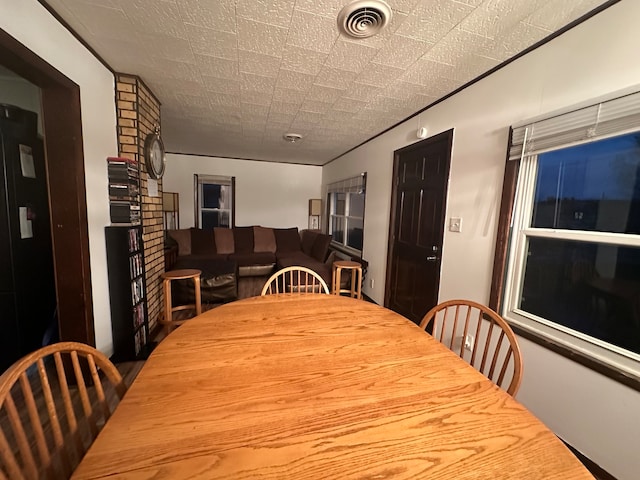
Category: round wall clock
[154,155]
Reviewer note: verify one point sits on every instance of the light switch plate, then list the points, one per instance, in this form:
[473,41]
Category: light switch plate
[455,224]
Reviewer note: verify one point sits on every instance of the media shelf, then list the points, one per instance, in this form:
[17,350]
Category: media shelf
[127,293]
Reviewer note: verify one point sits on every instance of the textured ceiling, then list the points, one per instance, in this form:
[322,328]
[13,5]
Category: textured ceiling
[234,75]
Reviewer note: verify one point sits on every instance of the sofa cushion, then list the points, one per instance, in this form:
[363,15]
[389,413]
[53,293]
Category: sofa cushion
[183,239]
[202,242]
[218,282]
[243,239]
[262,258]
[287,239]
[224,240]
[321,247]
[300,259]
[210,265]
[308,237]
[264,240]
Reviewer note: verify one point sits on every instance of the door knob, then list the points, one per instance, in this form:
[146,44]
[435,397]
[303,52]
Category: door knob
[432,258]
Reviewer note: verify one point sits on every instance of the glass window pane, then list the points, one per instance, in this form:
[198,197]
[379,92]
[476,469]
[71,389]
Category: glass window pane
[337,229]
[589,287]
[215,218]
[211,195]
[354,232]
[594,187]
[356,205]
[340,200]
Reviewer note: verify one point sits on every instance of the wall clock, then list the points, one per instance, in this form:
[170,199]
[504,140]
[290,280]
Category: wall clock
[154,155]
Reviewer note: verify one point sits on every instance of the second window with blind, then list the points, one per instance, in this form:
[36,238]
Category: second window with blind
[574,258]
[345,203]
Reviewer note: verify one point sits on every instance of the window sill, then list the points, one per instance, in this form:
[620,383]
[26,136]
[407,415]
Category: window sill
[583,359]
[346,250]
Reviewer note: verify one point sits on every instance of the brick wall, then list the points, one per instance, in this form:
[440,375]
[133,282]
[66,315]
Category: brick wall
[138,114]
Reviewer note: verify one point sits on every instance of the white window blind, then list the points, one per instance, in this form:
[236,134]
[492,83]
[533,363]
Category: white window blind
[217,179]
[349,185]
[612,117]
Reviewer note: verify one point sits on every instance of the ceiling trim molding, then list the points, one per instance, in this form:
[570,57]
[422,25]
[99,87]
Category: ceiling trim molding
[241,158]
[75,34]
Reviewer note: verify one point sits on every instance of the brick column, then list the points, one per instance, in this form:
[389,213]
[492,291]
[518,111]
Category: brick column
[138,113]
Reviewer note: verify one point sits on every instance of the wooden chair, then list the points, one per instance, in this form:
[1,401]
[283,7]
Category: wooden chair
[454,321]
[295,279]
[52,405]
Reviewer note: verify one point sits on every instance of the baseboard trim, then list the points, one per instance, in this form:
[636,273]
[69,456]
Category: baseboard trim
[368,298]
[595,469]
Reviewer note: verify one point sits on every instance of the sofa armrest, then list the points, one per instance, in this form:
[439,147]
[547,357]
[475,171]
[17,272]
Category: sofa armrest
[331,258]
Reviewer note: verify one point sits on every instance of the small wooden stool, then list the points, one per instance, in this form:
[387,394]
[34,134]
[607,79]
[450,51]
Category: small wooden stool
[167,319]
[356,278]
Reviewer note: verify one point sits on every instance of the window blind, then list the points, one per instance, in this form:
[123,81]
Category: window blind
[217,179]
[612,117]
[349,185]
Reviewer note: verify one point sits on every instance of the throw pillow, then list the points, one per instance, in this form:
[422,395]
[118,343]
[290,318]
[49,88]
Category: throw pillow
[287,239]
[202,242]
[183,239]
[224,239]
[264,240]
[243,239]
[321,247]
[308,237]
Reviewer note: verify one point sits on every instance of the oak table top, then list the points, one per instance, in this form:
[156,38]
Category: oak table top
[318,387]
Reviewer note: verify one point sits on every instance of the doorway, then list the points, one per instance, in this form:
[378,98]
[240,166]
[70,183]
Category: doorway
[416,227]
[64,162]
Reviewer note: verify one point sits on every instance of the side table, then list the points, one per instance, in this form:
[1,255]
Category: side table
[190,273]
[356,278]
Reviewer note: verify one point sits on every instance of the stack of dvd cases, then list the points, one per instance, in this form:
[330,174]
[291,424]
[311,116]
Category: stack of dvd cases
[124,190]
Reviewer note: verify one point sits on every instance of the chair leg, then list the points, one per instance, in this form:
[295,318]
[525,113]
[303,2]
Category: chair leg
[168,315]
[196,285]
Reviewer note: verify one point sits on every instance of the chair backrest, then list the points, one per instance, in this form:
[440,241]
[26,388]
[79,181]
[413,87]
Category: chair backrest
[295,280]
[53,403]
[476,333]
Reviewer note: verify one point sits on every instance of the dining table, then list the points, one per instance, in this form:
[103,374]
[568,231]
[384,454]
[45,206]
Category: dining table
[317,386]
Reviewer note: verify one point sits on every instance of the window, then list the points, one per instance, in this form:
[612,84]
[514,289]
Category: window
[573,265]
[346,213]
[215,201]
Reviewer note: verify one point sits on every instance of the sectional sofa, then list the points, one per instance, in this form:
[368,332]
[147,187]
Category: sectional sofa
[235,262]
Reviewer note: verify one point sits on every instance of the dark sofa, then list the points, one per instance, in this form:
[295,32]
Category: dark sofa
[235,262]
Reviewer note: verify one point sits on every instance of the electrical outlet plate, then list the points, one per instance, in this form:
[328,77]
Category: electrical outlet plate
[469,342]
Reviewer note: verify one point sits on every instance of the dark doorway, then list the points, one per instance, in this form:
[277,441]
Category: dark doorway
[27,287]
[416,228]
[64,161]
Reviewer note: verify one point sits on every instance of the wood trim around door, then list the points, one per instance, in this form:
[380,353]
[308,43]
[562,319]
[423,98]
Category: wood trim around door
[64,159]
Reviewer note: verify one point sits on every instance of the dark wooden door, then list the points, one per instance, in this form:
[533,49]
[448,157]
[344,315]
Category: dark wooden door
[420,177]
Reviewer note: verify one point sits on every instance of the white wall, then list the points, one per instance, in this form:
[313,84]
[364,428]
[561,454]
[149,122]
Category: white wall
[267,193]
[596,415]
[29,23]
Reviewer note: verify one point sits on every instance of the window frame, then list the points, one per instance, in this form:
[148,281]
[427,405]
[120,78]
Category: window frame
[509,261]
[352,185]
[199,181]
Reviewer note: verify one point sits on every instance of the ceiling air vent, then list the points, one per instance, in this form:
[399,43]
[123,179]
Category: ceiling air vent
[364,18]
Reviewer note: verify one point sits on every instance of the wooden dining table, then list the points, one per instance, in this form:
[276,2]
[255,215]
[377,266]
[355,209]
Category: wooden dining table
[318,387]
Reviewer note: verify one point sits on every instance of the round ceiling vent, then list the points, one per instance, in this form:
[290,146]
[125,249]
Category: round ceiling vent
[364,18]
